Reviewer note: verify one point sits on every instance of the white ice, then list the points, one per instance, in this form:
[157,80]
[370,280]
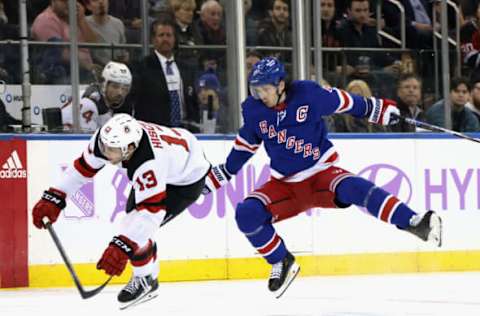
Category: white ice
[455,294]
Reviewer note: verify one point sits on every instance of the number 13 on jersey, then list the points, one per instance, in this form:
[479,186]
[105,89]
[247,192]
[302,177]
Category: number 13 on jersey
[146,181]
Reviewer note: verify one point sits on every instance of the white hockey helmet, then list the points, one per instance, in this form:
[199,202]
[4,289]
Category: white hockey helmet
[120,131]
[116,72]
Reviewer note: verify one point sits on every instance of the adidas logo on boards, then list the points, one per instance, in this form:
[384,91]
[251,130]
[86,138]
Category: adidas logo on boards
[13,168]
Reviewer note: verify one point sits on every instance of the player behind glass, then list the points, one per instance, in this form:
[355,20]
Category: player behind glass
[287,118]
[167,169]
[100,101]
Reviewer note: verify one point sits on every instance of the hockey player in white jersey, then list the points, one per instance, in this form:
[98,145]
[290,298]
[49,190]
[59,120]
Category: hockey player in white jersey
[99,102]
[167,169]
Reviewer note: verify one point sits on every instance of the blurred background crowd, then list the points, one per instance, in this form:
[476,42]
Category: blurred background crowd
[189,86]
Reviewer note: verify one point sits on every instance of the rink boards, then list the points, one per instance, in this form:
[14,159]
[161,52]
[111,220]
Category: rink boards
[428,172]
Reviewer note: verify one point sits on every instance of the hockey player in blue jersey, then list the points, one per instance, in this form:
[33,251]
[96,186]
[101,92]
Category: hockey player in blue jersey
[288,120]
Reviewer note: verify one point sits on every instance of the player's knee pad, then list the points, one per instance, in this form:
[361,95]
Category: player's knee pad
[354,190]
[250,215]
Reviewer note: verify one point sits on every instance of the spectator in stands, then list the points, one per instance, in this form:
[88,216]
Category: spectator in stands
[463,120]
[214,116]
[163,87]
[330,38]
[109,30]
[470,43]
[185,31]
[52,24]
[354,32]
[212,30]
[377,69]
[418,16]
[409,97]
[474,104]
[275,29]
[210,24]
[329,24]
[250,24]
[129,12]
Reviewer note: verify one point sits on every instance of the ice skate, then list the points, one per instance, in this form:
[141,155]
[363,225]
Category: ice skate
[138,290]
[282,274]
[427,227]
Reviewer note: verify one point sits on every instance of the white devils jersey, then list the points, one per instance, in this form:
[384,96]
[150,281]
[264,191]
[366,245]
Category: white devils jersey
[93,110]
[164,156]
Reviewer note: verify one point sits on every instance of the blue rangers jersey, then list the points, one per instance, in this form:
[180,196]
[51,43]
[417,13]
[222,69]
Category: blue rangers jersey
[294,135]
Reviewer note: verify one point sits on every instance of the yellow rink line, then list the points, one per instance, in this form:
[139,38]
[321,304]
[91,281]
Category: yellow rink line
[252,268]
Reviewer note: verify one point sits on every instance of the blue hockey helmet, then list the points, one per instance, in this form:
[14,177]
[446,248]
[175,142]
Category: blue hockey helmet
[269,70]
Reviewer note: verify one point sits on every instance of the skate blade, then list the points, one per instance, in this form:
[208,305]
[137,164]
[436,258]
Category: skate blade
[142,299]
[435,235]
[292,274]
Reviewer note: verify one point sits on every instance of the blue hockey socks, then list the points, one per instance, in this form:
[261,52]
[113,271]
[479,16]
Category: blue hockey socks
[256,223]
[378,202]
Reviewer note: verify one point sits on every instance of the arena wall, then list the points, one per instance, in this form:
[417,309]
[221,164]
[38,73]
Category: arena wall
[427,171]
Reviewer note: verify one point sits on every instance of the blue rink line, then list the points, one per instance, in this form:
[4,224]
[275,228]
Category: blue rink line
[220,137]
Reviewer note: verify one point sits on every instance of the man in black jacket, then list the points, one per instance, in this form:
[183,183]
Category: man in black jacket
[418,20]
[163,88]
[275,29]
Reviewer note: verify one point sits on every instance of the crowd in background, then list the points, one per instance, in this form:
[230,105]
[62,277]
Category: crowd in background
[180,84]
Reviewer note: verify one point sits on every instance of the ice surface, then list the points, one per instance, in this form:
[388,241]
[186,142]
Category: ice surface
[455,294]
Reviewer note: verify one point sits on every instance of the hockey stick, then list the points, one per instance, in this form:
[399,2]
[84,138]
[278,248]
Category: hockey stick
[434,128]
[83,293]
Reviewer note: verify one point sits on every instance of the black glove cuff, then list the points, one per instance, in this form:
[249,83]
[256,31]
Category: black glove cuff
[54,198]
[123,245]
[228,175]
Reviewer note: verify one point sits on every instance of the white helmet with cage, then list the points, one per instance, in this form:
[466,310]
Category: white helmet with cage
[116,72]
[119,132]
[119,74]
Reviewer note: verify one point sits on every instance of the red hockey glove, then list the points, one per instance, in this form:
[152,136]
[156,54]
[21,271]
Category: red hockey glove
[383,111]
[216,178]
[50,205]
[115,257]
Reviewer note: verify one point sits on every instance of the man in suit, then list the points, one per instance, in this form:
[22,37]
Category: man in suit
[163,89]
